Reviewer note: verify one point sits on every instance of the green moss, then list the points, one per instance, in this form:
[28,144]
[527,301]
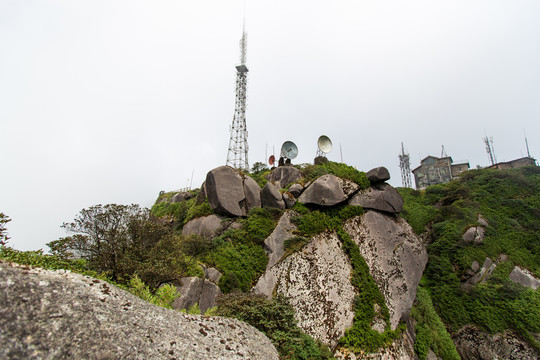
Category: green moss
[338,169]
[196,211]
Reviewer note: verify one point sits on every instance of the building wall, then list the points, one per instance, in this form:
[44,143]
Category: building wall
[526,161]
[432,171]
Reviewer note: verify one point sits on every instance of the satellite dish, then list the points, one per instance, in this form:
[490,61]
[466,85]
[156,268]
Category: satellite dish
[271,160]
[325,144]
[289,150]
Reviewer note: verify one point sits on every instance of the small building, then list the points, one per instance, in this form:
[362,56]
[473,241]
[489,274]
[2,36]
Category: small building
[434,170]
[517,163]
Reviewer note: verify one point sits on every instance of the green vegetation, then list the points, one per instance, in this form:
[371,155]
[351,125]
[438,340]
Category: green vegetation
[338,169]
[275,318]
[510,201]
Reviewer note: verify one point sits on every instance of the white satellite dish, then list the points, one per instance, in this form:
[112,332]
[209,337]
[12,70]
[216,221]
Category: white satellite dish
[325,144]
[289,150]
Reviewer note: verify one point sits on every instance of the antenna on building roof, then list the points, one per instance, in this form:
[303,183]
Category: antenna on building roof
[526,144]
[405,165]
[490,150]
[443,152]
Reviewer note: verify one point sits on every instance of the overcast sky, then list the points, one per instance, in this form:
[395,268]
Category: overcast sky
[113,101]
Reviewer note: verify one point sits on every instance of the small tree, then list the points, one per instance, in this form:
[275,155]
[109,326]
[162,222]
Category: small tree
[4,219]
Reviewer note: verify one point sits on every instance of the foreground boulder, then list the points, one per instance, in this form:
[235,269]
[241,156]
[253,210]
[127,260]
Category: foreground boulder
[271,197]
[62,315]
[328,190]
[194,290]
[377,175]
[396,258]
[231,194]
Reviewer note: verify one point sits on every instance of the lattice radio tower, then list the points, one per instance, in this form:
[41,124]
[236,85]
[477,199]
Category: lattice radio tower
[237,156]
[490,150]
[405,165]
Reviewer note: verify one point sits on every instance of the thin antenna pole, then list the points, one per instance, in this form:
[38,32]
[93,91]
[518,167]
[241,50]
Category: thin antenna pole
[191,182]
[341,152]
[526,144]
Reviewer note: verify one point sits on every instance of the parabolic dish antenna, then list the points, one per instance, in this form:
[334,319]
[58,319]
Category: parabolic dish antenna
[272,160]
[325,144]
[289,150]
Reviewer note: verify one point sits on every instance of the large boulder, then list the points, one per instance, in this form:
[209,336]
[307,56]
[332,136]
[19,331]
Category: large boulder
[377,175]
[524,277]
[231,194]
[181,196]
[396,258]
[296,190]
[275,242]
[194,290]
[205,226]
[474,234]
[328,190]
[474,344]
[48,314]
[285,175]
[382,197]
[271,197]
[316,283]
[480,275]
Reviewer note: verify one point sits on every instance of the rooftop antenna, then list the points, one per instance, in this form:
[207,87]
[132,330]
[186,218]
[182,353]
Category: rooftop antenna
[490,150]
[405,165]
[526,144]
[443,152]
[237,156]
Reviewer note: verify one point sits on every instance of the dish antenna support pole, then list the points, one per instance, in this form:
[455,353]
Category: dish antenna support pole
[237,156]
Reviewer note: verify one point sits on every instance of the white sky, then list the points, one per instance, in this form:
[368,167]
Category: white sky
[112,101]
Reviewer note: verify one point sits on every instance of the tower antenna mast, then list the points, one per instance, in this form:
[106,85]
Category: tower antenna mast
[237,156]
[405,165]
[490,150]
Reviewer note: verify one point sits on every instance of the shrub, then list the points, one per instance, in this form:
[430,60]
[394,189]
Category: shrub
[196,211]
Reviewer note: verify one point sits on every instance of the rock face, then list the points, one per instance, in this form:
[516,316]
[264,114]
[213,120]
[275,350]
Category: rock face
[206,226]
[475,234]
[194,290]
[382,197]
[56,314]
[524,277]
[296,190]
[271,197]
[377,175]
[181,196]
[396,258]
[275,242]
[316,282]
[328,190]
[285,175]
[480,275]
[229,194]
[472,344]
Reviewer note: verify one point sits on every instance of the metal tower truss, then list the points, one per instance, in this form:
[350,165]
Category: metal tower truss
[237,156]
[405,165]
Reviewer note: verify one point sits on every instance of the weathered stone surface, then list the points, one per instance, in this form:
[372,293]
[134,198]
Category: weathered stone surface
[524,277]
[316,282]
[377,175]
[274,243]
[271,197]
[252,191]
[475,266]
[285,175]
[396,258]
[481,221]
[382,197]
[212,274]
[225,191]
[474,344]
[194,290]
[328,190]
[181,196]
[206,226]
[60,315]
[289,200]
[475,234]
[481,275]
[296,190]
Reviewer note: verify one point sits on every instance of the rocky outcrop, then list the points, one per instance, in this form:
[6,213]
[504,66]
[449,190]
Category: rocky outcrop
[382,197]
[316,282]
[275,242]
[57,314]
[296,190]
[524,277]
[205,226]
[328,190]
[271,197]
[285,175]
[231,194]
[474,344]
[212,274]
[194,290]
[474,234]
[396,258]
[478,275]
[378,175]
[181,196]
